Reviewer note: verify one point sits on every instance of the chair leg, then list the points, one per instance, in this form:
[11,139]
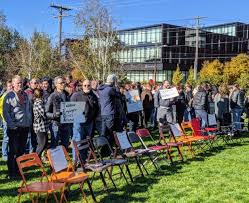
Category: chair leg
[110,176]
[82,191]
[138,164]
[91,190]
[129,172]
[153,162]
[180,153]
[104,182]
[55,197]
[123,174]
[19,197]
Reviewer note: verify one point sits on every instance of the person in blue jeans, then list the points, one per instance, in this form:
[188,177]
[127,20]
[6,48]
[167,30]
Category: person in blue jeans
[84,130]
[3,123]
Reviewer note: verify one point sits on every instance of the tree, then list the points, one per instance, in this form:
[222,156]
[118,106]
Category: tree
[177,76]
[35,58]
[235,68]
[212,72]
[99,43]
[190,80]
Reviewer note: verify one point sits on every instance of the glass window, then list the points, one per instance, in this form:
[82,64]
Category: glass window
[143,38]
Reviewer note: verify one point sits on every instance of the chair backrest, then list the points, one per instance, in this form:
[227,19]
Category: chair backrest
[122,140]
[29,160]
[196,126]
[212,120]
[187,128]
[83,145]
[162,136]
[143,133]
[59,159]
[133,137]
[100,142]
[176,130]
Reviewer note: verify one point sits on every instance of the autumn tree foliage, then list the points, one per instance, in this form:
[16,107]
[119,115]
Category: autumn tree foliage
[177,76]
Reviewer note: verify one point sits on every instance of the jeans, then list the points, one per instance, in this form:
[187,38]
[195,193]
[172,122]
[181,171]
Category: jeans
[202,114]
[80,132]
[133,121]
[17,143]
[5,141]
[60,132]
[236,118]
[31,141]
[42,140]
[108,127]
[153,118]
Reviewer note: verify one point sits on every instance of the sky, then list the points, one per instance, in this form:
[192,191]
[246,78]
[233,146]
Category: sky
[28,15]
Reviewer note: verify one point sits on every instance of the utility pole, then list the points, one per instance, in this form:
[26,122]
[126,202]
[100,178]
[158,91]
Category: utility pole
[61,9]
[197,20]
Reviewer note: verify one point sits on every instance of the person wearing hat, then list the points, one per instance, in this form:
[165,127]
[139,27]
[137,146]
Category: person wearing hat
[107,94]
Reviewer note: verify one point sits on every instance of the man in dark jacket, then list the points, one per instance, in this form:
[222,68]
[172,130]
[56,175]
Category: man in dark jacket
[52,108]
[148,103]
[83,130]
[200,104]
[107,94]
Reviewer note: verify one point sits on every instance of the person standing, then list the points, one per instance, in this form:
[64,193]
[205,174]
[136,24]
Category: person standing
[46,89]
[60,131]
[189,112]
[107,95]
[5,136]
[221,105]
[40,123]
[17,113]
[180,104]
[164,106]
[84,130]
[200,104]
[148,103]
[237,100]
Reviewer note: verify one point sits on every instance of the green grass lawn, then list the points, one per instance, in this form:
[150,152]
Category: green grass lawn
[218,175]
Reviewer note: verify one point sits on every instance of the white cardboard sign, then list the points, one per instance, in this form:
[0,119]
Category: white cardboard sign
[72,112]
[58,159]
[169,93]
[133,101]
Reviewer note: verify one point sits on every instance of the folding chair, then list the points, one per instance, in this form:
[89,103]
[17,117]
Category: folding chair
[99,143]
[179,136]
[95,166]
[202,133]
[48,187]
[161,149]
[134,139]
[128,151]
[63,170]
[171,143]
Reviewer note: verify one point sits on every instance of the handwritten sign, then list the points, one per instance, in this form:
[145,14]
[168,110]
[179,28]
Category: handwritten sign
[169,93]
[133,101]
[58,159]
[72,112]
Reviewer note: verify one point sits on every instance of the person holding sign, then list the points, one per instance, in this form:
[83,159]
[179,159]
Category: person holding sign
[59,131]
[164,105]
[83,130]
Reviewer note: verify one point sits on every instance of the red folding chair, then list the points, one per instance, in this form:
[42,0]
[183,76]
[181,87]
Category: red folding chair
[161,149]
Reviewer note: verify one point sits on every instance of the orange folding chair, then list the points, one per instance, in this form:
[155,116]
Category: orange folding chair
[48,187]
[63,170]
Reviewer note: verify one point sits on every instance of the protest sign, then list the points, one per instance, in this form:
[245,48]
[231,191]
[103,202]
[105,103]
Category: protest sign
[169,93]
[133,101]
[73,112]
[58,159]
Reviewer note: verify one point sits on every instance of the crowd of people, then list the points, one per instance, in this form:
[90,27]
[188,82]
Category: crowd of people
[30,111]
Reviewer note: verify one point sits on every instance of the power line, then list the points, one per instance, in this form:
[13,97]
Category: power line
[61,9]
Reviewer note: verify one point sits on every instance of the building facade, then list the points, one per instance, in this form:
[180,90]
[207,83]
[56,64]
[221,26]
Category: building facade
[153,52]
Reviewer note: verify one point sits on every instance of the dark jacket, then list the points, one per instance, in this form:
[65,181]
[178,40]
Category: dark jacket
[91,107]
[45,95]
[221,105]
[200,100]
[107,94]
[52,107]
[181,102]
[188,98]
[237,99]
[147,99]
